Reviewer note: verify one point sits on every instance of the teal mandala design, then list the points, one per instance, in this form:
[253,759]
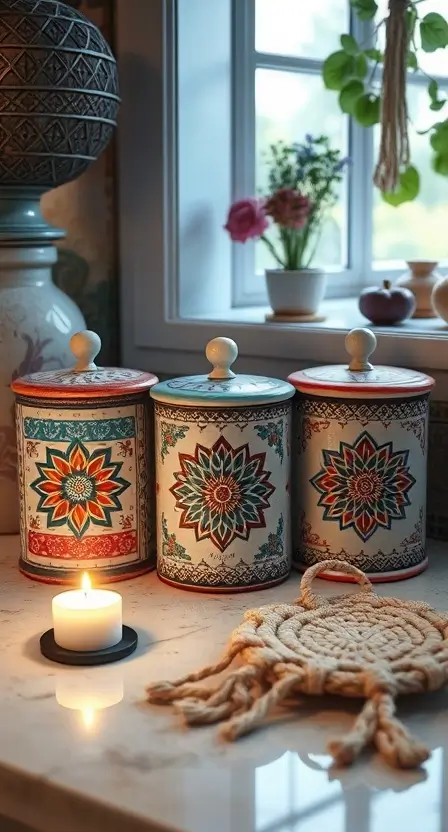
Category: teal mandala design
[272,432]
[222,492]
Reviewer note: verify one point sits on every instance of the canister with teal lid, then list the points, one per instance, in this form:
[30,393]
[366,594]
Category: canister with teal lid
[223,477]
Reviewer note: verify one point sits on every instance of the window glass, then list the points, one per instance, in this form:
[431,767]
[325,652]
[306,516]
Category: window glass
[288,106]
[294,27]
[415,230]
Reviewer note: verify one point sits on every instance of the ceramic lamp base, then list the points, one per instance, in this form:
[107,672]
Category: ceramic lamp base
[374,577]
[273,317]
[55,653]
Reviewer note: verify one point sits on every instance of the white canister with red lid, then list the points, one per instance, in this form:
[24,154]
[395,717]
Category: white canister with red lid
[359,465]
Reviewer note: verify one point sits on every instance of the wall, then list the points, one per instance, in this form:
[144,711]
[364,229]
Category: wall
[87,269]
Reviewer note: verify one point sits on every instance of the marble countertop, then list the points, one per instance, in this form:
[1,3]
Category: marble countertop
[66,764]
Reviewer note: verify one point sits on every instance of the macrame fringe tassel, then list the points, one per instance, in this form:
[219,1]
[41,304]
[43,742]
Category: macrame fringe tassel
[377,723]
[248,695]
[394,146]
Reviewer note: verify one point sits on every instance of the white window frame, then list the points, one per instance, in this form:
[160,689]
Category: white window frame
[248,288]
[154,333]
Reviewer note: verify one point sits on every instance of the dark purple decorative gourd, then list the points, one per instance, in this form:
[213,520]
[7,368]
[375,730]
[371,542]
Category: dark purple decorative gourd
[386,305]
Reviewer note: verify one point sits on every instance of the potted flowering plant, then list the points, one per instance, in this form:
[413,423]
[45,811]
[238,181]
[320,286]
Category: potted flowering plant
[302,187]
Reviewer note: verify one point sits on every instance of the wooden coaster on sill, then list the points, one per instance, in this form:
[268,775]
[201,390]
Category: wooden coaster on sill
[272,317]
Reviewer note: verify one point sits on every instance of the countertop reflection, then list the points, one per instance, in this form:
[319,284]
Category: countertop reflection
[80,749]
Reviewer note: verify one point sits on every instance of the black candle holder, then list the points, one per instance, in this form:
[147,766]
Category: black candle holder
[55,653]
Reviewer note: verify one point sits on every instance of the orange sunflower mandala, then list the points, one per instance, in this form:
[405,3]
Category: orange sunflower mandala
[77,488]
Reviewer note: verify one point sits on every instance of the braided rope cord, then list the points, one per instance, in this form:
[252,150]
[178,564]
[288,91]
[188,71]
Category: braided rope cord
[394,152]
[357,645]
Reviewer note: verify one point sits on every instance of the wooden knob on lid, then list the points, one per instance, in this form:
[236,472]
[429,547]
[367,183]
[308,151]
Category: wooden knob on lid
[221,352]
[360,343]
[85,346]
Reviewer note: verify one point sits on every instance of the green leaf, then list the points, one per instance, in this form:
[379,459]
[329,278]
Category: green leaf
[367,110]
[360,68]
[408,188]
[440,163]
[433,32]
[365,9]
[433,89]
[439,139]
[412,60]
[349,44]
[374,55]
[437,105]
[337,69]
[349,96]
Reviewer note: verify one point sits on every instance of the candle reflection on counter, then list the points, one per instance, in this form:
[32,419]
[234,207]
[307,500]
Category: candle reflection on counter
[89,694]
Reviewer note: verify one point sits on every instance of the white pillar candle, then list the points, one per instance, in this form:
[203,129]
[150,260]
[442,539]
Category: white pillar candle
[87,619]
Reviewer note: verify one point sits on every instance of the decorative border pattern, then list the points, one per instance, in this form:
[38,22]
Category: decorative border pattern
[94,430]
[95,547]
[240,417]
[344,411]
[377,562]
[418,428]
[223,576]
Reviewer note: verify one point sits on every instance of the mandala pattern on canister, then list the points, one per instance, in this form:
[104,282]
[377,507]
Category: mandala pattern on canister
[77,488]
[364,486]
[222,492]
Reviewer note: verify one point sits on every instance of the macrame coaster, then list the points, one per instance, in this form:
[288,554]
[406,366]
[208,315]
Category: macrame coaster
[358,645]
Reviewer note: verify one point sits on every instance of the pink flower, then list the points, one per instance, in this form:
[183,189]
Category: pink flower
[246,219]
[288,208]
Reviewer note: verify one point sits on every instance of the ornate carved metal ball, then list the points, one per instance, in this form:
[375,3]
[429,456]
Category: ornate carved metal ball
[58,93]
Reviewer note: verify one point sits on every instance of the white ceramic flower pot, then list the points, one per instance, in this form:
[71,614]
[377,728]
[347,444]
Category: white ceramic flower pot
[298,292]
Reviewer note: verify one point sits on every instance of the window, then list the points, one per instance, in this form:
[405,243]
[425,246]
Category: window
[279,94]
[190,139]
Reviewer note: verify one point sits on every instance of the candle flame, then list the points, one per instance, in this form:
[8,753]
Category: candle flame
[86,583]
[88,717]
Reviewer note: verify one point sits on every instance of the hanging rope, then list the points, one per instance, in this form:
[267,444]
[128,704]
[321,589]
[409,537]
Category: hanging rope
[394,147]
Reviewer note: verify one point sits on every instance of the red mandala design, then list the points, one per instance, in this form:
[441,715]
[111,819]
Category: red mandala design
[364,486]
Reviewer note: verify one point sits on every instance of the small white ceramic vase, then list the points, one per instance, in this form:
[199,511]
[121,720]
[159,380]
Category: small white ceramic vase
[439,299]
[298,292]
[421,279]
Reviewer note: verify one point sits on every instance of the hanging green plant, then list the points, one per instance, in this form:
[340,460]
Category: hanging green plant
[352,72]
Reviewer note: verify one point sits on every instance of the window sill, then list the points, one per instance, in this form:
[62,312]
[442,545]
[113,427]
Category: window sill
[176,346]
[341,314]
